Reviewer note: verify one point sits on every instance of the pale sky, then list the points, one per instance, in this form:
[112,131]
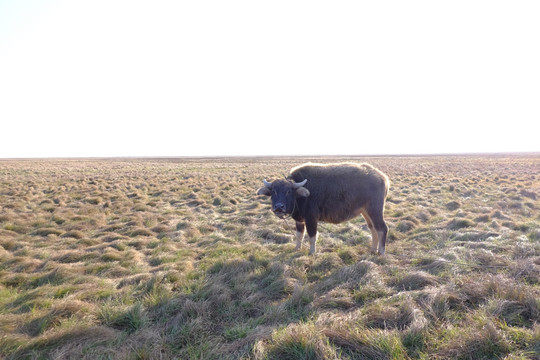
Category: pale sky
[200,78]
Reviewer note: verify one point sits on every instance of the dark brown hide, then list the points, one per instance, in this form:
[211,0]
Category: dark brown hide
[340,191]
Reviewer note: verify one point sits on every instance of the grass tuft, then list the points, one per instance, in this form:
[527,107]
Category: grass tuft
[302,341]
[471,342]
[414,280]
[126,319]
[457,224]
[53,318]
[47,231]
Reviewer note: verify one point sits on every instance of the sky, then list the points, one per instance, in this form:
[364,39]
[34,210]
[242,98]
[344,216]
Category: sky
[107,78]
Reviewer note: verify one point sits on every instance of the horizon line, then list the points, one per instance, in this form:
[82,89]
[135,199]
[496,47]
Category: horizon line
[162,157]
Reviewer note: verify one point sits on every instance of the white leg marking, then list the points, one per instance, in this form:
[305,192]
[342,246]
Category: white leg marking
[374,241]
[299,236]
[380,235]
[312,246]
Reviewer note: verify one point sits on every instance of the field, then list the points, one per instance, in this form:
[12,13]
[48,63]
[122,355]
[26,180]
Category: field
[179,259]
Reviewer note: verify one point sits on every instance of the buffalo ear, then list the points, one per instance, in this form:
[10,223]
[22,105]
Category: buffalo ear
[264,191]
[302,192]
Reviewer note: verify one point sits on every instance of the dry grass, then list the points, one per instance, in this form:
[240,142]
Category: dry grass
[177,258]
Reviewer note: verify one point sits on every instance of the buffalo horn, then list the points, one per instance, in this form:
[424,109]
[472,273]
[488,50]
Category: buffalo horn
[300,184]
[267,184]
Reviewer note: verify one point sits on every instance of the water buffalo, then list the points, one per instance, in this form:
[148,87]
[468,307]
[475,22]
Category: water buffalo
[331,193]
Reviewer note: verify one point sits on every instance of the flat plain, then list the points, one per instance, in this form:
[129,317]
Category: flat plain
[179,259]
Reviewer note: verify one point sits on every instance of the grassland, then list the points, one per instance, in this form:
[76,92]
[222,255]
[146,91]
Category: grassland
[179,259]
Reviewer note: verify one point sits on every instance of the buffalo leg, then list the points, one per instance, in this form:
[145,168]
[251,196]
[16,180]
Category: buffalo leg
[374,234]
[382,230]
[311,227]
[299,234]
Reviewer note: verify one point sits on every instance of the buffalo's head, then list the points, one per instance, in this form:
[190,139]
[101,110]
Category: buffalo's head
[284,194]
